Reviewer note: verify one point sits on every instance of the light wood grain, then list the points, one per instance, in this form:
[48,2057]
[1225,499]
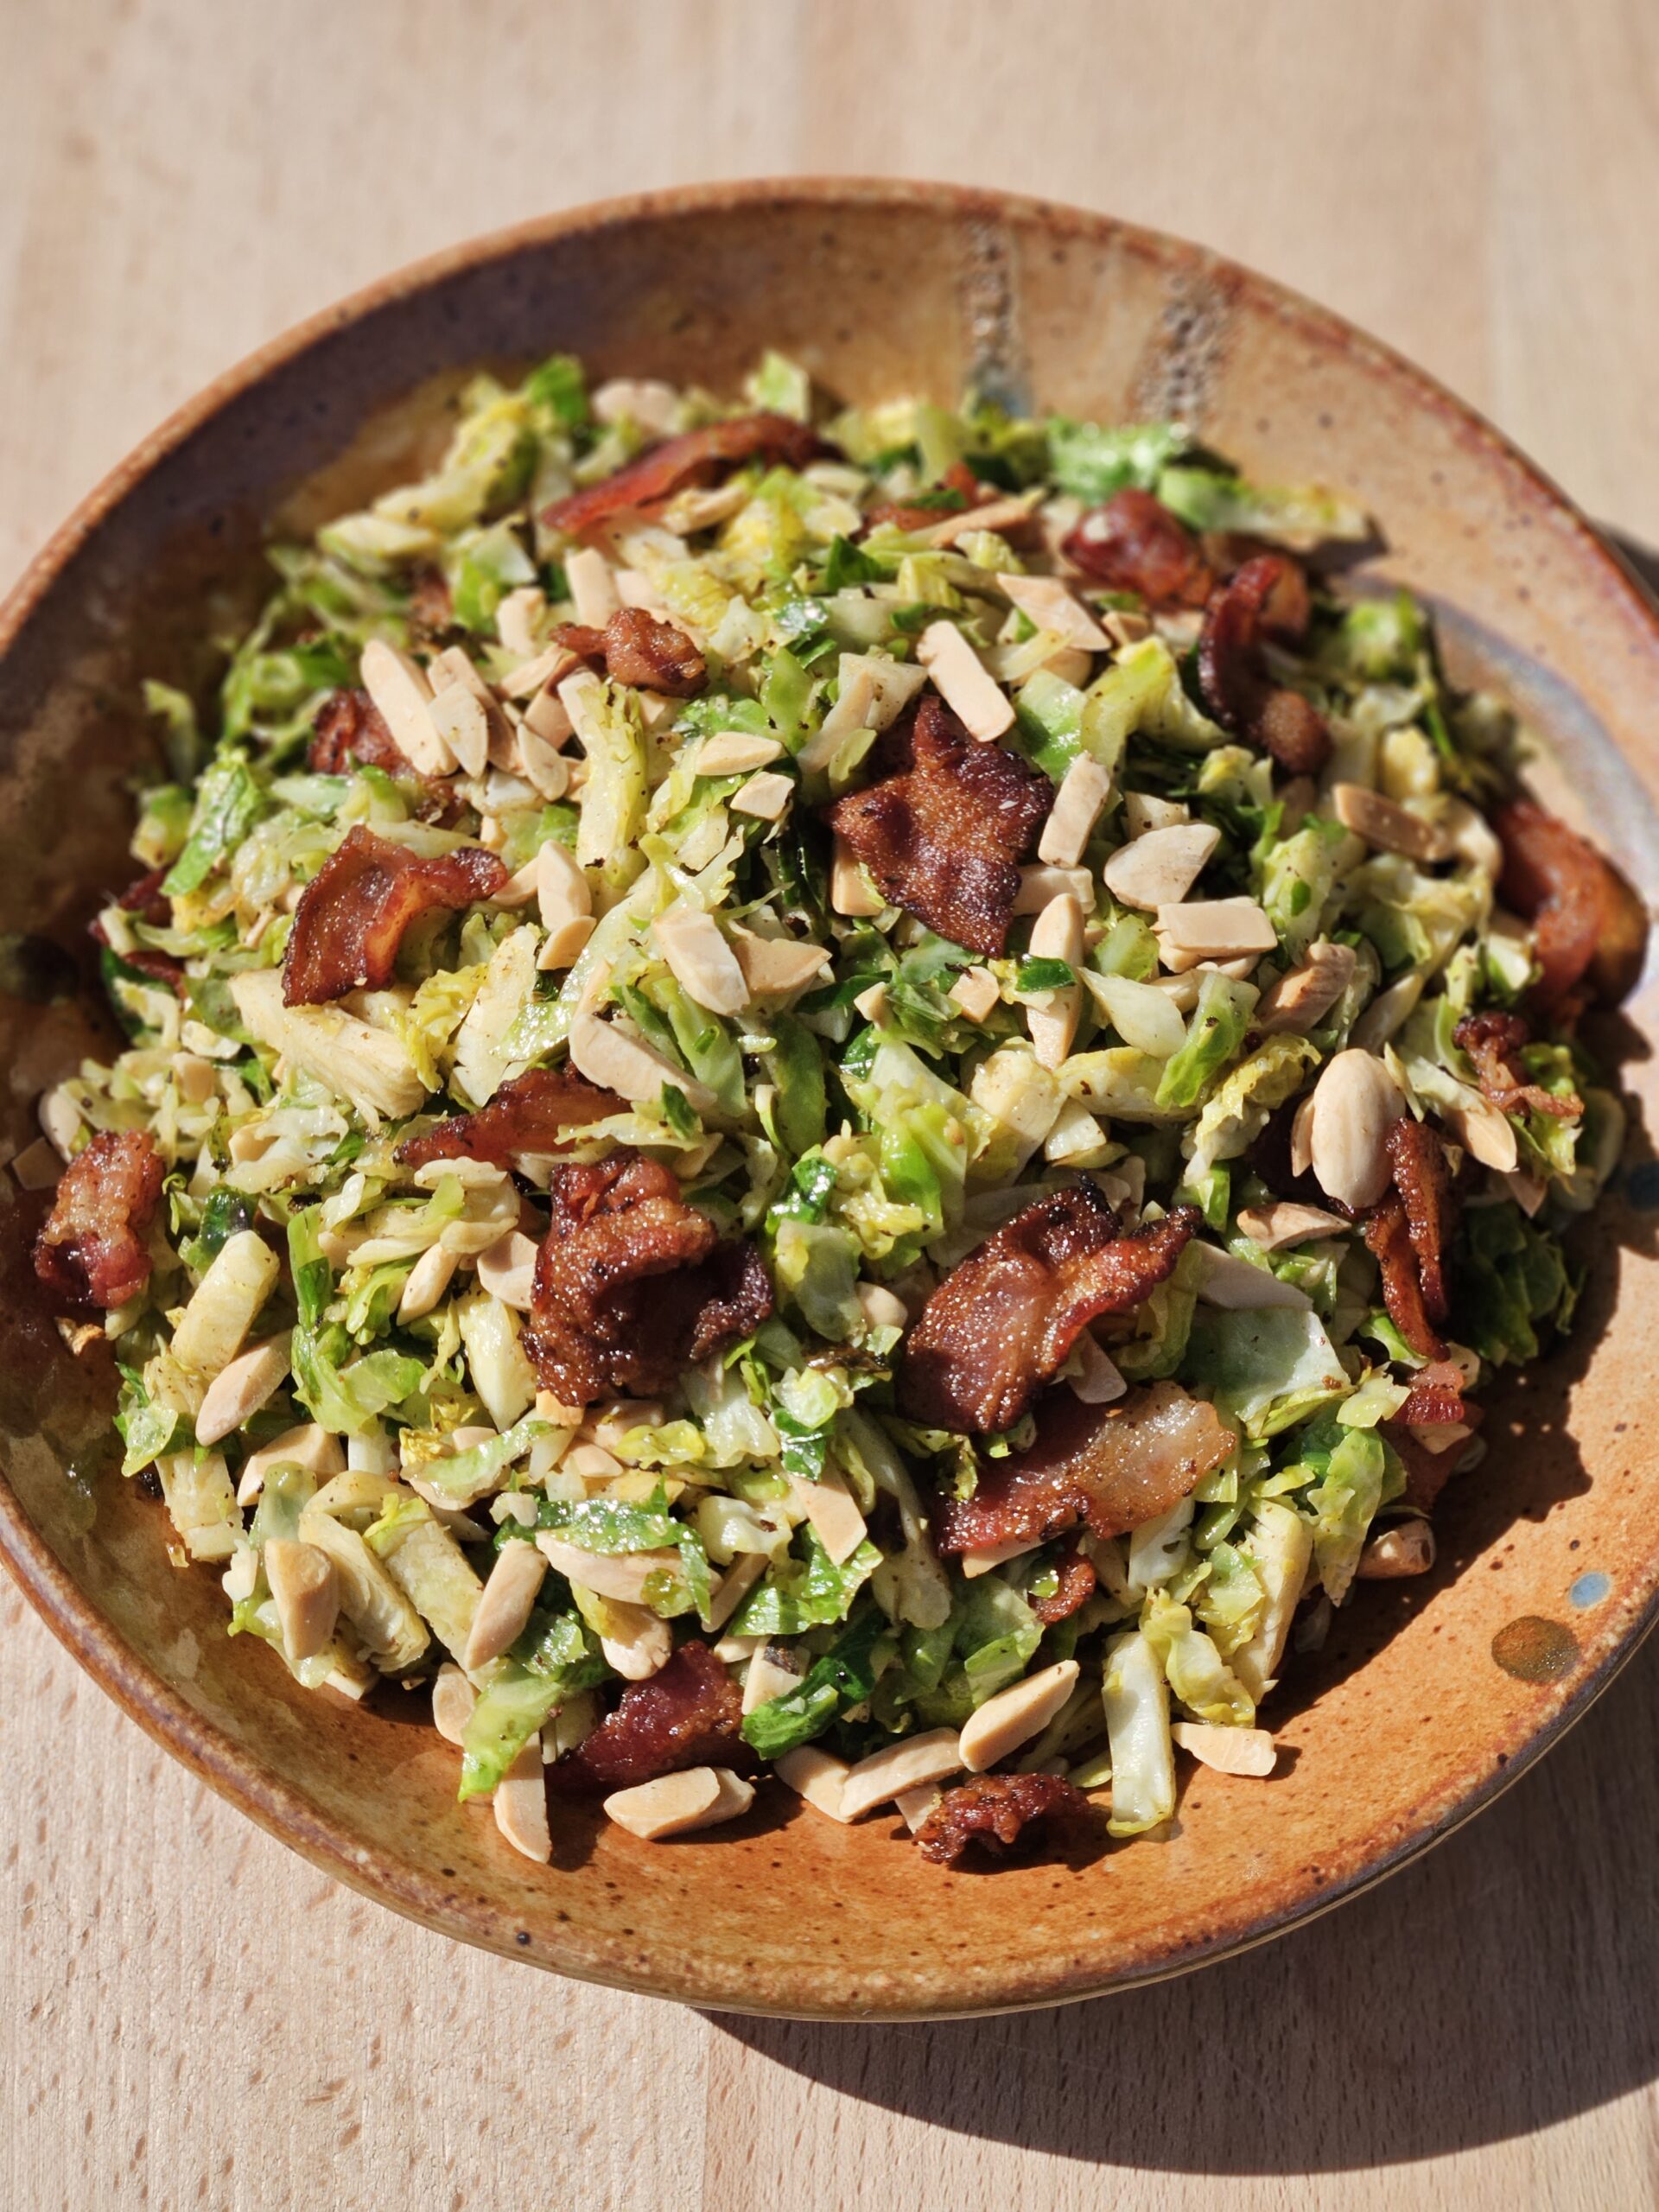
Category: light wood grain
[189,2015]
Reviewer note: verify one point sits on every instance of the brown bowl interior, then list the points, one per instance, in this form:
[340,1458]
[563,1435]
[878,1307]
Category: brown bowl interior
[1407,1721]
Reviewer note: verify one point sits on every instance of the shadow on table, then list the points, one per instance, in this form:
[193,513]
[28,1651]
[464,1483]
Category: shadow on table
[1509,1980]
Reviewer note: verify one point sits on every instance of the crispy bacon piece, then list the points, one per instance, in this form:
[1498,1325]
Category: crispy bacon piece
[1134,543]
[993,1807]
[636,648]
[91,1249]
[942,827]
[351,727]
[579,638]
[534,1113]
[1588,924]
[1111,1467]
[1388,1238]
[910,516]
[1001,1324]
[1423,1179]
[353,914]
[1436,1397]
[695,458]
[1233,672]
[600,1325]
[1494,1042]
[1077,1580]
[146,902]
[687,1715]
[431,607]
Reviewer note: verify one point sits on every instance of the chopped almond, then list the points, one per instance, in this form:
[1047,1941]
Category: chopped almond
[833,1511]
[766,797]
[404,697]
[1383,822]
[1228,1750]
[1048,602]
[1212,929]
[904,1766]
[679,1804]
[588,575]
[1014,1715]
[1052,1016]
[964,682]
[734,753]
[1301,1000]
[815,1776]
[976,992]
[1038,886]
[1160,868]
[1084,790]
[851,891]
[774,966]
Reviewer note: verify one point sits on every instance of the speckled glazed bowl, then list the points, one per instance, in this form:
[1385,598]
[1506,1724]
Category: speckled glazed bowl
[1430,1696]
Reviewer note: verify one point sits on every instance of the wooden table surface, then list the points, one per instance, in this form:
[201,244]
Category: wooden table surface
[192,2017]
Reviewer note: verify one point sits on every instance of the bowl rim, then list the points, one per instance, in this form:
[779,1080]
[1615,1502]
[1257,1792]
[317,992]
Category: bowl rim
[208,1750]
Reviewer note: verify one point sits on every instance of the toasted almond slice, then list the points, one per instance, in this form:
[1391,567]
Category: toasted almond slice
[677,1804]
[1159,868]
[453,1700]
[307,1590]
[851,891]
[1145,811]
[1386,1014]
[815,1776]
[1124,626]
[309,1446]
[702,963]
[1048,602]
[1302,1138]
[621,1575]
[562,892]
[899,1766]
[766,797]
[1014,1715]
[507,1269]
[765,1679]
[647,401]
[872,1003]
[1097,1381]
[1236,1284]
[1354,1101]
[547,722]
[618,1059]
[1213,929]
[517,617]
[996,514]
[833,1510]
[1285,1222]
[506,1604]
[976,992]
[638,1642]
[592,588]
[400,691]
[1056,934]
[1228,1750]
[460,720]
[1486,1131]
[775,966]
[544,671]
[1084,790]
[1038,886]
[1384,822]
[976,1563]
[913,1805]
[566,945]
[239,1390]
[1405,1549]
[613,1424]
[880,1307]
[520,1805]
[967,687]
[1301,999]
[734,1587]
[734,753]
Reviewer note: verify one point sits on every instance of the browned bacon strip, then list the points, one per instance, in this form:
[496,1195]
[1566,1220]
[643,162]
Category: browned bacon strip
[1077,1585]
[689,1714]
[148,902]
[632,1285]
[533,1113]
[1111,1467]
[1001,1325]
[353,914]
[1436,1397]
[993,1807]
[1233,672]
[91,1249]
[1588,924]
[695,458]
[636,648]
[1494,1042]
[1388,1238]
[941,828]
[1423,1179]
[1134,543]
[351,727]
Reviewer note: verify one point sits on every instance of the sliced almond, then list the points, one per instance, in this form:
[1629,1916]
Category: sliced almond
[734,753]
[638,1642]
[679,1804]
[507,1269]
[621,1575]
[1386,1014]
[833,1511]
[1049,602]
[1398,1551]
[815,1776]
[1145,811]
[765,797]
[619,1059]
[702,963]
[1483,1130]
[913,1805]
[1301,999]
[1354,1101]
[1228,1750]
[1385,824]
[518,616]
[872,1003]
[774,966]
[399,689]
[562,892]
[991,1556]
[238,1391]
[1056,934]
[1213,929]
[505,1604]
[1039,887]
[976,992]
[1285,1222]
[1084,790]
[453,1700]
[1160,868]
[546,670]
[734,1587]
[1301,1137]
[851,891]
[1095,1377]
[306,1588]
[646,400]
[427,1282]
[880,1307]
[1014,1715]
[461,722]
[520,1803]
[962,679]
[765,1679]
[309,1446]
[546,726]
[899,1766]
[996,514]
[1124,626]
[565,945]
[1236,1285]
[592,589]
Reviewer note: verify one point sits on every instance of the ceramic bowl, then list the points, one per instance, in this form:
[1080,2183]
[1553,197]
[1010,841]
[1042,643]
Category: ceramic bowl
[1430,1696]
